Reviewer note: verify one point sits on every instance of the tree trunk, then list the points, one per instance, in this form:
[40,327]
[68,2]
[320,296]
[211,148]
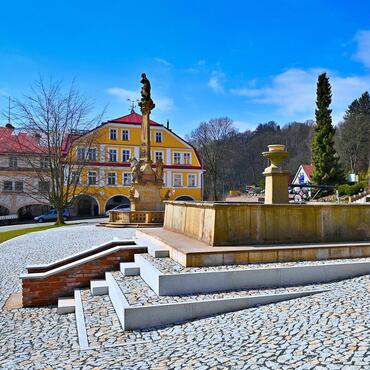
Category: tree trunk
[60,217]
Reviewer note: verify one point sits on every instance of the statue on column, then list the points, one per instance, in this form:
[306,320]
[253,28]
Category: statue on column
[146,104]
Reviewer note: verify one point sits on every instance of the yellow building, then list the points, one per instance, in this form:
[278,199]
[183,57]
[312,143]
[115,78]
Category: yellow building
[106,179]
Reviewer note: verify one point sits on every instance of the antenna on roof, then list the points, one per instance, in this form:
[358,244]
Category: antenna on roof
[9,111]
[133,104]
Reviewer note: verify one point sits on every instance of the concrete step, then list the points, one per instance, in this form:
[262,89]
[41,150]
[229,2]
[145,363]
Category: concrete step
[139,307]
[223,278]
[129,268]
[66,305]
[102,326]
[98,287]
[155,248]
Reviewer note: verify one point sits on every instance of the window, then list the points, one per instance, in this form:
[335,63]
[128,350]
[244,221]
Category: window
[44,162]
[91,154]
[18,186]
[158,156]
[75,178]
[13,162]
[112,155]
[176,158]
[113,134]
[44,186]
[112,178]
[187,158]
[127,178]
[91,178]
[192,181]
[81,154]
[125,155]
[125,135]
[158,137]
[8,186]
[177,180]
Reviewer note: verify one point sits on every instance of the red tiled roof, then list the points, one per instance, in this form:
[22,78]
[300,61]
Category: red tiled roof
[308,168]
[133,118]
[21,143]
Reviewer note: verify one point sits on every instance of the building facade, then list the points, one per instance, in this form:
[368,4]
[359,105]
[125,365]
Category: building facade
[106,178]
[21,191]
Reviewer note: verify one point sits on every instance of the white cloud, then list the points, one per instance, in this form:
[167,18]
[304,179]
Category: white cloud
[244,125]
[215,82]
[293,92]
[123,94]
[163,61]
[162,103]
[363,47]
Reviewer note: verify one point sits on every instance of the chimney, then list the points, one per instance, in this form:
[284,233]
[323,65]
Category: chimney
[168,125]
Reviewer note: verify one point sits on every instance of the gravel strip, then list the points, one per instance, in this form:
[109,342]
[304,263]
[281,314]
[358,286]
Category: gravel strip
[138,293]
[169,266]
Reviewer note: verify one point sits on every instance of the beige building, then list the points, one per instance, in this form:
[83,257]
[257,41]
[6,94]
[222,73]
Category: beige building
[21,191]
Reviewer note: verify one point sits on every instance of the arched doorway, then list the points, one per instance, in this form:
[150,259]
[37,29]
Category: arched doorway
[84,206]
[116,201]
[3,211]
[185,198]
[32,210]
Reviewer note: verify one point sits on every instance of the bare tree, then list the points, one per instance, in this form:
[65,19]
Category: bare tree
[59,118]
[212,140]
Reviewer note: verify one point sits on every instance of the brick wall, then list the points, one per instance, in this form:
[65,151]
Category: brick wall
[46,291]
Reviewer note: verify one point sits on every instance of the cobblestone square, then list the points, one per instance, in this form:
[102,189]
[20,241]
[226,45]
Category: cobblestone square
[325,331]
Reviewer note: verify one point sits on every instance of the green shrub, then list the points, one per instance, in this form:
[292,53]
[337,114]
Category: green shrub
[350,190]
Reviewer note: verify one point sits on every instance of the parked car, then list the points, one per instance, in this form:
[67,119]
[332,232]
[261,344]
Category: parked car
[52,215]
[120,207]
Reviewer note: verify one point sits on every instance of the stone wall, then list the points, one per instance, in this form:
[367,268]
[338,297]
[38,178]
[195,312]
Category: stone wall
[242,224]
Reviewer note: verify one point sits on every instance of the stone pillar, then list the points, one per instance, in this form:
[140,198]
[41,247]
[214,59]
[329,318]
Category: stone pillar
[276,179]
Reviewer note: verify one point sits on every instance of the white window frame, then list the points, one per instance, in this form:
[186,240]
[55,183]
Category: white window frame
[175,155]
[75,178]
[155,155]
[88,154]
[13,161]
[78,151]
[129,155]
[188,154]
[92,176]
[193,175]
[181,180]
[8,182]
[115,178]
[128,134]
[21,187]
[126,174]
[111,130]
[44,162]
[160,135]
[116,151]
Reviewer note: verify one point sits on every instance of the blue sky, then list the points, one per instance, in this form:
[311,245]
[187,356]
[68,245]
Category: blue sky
[252,61]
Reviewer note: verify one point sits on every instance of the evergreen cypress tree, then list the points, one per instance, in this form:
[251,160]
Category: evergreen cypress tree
[324,158]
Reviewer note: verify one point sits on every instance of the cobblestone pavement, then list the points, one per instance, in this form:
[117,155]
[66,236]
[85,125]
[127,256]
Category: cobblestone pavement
[324,331]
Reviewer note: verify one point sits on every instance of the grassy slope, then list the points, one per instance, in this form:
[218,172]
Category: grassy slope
[10,234]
